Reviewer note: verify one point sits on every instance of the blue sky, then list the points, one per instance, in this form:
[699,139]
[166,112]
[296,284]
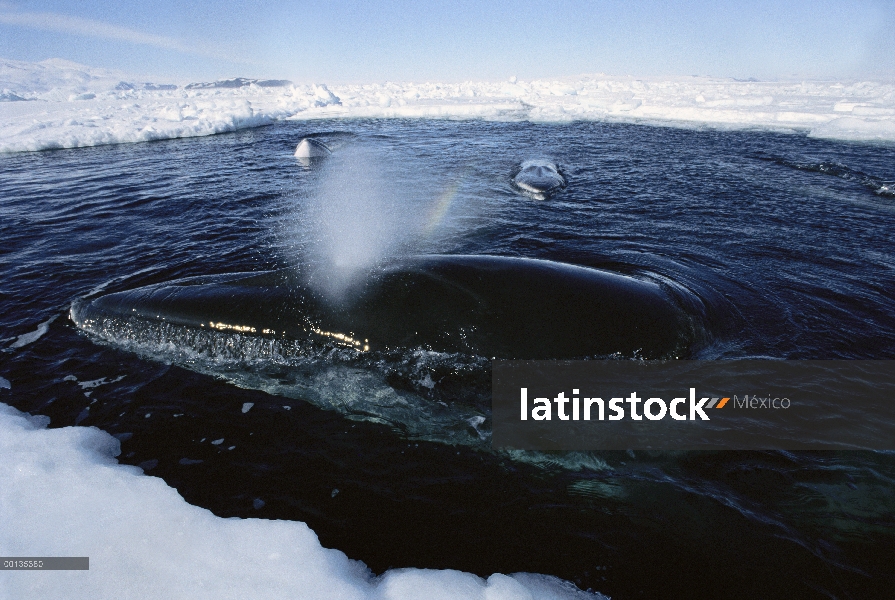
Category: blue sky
[375,40]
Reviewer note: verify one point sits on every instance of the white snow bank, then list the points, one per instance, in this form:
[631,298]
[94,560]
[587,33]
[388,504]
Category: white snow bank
[853,111]
[63,494]
[47,125]
[65,105]
[69,105]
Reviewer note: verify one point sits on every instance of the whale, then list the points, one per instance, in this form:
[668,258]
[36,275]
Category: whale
[539,178]
[311,148]
[488,306]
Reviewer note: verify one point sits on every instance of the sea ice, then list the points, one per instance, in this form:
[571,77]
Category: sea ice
[73,105]
[64,494]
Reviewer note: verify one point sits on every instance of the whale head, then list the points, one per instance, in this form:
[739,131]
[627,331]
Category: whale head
[539,178]
[310,148]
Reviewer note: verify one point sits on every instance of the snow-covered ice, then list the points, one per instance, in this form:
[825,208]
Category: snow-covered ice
[58,104]
[69,106]
[64,494]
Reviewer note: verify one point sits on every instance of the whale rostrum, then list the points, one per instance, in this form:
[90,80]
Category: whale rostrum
[539,178]
[311,148]
[503,307]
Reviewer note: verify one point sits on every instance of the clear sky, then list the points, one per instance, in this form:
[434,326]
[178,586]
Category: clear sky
[403,40]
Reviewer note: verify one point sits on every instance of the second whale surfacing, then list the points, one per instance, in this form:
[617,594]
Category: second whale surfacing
[489,306]
[539,178]
[311,148]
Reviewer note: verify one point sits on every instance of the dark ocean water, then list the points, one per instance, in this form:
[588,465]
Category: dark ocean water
[772,245]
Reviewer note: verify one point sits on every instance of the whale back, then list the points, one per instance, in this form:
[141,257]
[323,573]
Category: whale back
[487,306]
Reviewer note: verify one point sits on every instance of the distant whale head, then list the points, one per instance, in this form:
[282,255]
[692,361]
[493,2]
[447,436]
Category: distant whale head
[311,148]
[539,178]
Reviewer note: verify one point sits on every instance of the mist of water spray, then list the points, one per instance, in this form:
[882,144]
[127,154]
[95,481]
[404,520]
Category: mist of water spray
[366,209]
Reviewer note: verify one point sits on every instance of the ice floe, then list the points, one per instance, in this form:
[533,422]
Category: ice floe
[64,494]
[59,104]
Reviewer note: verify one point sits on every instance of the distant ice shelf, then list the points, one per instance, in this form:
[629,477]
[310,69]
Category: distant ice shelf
[59,104]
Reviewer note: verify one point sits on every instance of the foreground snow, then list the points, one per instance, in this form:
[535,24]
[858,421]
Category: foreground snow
[57,104]
[63,494]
